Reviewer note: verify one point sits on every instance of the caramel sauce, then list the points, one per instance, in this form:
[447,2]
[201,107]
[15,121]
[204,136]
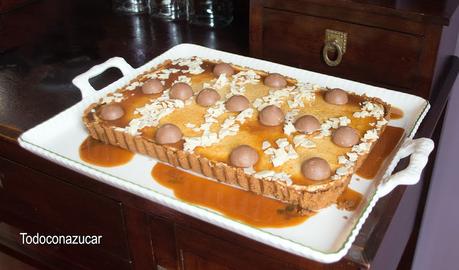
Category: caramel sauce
[101,154]
[251,132]
[349,200]
[381,150]
[245,206]
[396,113]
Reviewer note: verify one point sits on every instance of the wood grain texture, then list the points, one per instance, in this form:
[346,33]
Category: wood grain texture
[194,250]
[163,241]
[372,54]
[10,262]
[63,205]
[435,12]
[347,14]
[387,51]
[57,257]
[138,234]
[256,28]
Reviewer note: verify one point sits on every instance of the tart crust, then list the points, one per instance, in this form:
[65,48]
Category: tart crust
[305,198]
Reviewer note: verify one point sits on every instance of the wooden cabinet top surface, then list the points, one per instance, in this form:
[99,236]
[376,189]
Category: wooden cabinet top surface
[438,12]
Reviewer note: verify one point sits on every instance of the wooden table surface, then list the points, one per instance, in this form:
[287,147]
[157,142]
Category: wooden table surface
[45,44]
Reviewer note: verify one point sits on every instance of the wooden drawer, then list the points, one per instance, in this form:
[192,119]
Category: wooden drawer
[373,55]
[67,257]
[62,207]
[199,251]
[163,242]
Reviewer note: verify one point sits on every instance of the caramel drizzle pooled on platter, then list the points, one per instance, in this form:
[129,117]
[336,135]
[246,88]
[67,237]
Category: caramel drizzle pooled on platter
[272,126]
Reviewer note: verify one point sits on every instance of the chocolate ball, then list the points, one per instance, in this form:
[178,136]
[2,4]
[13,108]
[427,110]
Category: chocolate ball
[345,137]
[223,68]
[336,96]
[207,97]
[237,103]
[243,156]
[307,124]
[271,116]
[152,86]
[182,91]
[111,112]
[316,168]
[275,80]
[168,133]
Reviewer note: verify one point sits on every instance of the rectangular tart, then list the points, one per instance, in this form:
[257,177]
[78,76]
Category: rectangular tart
[211,133]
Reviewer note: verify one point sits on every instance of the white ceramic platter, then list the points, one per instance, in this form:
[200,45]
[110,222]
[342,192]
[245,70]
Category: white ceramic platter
[325,237]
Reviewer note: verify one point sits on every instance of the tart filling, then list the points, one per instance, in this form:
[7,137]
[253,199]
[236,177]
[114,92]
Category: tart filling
[267,126]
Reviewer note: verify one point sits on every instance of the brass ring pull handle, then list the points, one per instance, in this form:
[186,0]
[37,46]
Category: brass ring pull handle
[332,46]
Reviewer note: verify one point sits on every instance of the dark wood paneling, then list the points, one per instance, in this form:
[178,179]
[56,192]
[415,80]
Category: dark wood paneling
[236,255]
[191,261]
[383,50]
[435,12]
[139,239]
[59,256]
[223,253]
[163,241]
[67,209]
[9,262]
[372,55]
[347,14]
[256,28]
[426,66]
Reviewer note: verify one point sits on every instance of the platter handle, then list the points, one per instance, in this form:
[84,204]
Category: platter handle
[82,81]
[418,150]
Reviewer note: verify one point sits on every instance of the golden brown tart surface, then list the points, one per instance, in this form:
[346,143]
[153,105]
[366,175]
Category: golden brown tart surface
[211,133]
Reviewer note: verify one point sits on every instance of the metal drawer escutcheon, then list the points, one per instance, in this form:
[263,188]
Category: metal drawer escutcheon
[335,41]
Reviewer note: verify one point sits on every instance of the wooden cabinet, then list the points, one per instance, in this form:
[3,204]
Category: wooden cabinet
[381,48]
[199,251]
[191,261]
[372,54]
[163,242]
[34,202]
